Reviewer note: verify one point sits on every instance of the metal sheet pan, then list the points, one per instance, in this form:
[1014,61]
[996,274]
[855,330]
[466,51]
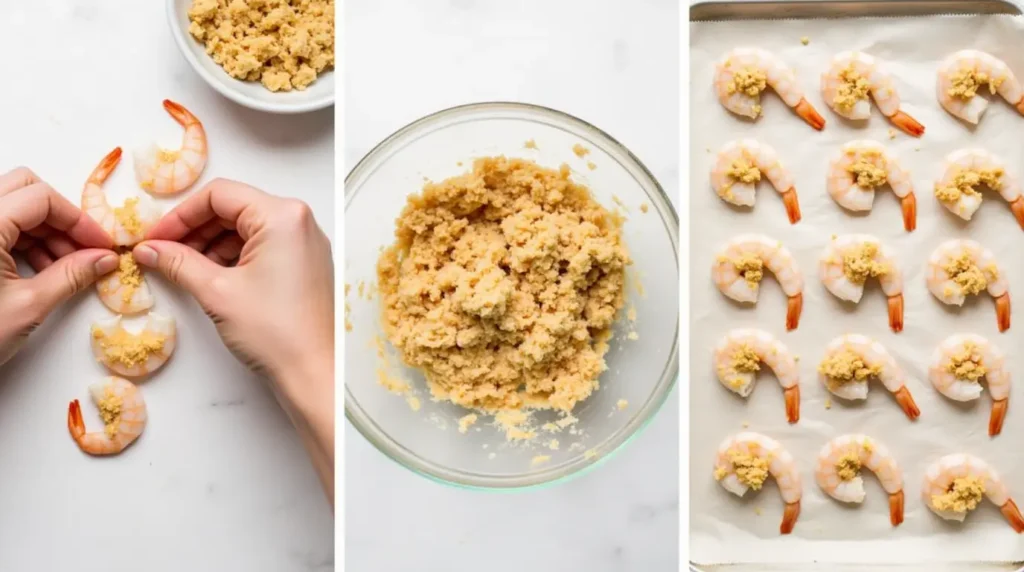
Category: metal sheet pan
[834,9]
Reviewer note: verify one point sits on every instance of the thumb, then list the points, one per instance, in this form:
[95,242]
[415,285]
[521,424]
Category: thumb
[184,266]
[70,275]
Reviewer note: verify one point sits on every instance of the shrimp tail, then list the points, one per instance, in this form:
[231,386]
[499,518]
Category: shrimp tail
[807,112]
[1020,106]
[792,511]
[896,313]
[106,167]
[1012,514]
[896,508]
[1003,312]
[906,402]
[907,124]
[909,205]
[793,403]
[76,425]
[796,306]
[1018,210]
[792,205]
[183,116]
[995,420]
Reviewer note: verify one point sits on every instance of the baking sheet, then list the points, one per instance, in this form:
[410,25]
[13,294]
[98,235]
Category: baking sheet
[728,529]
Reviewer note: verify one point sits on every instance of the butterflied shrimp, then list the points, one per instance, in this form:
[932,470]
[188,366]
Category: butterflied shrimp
[963,74]
[851,259]
[128,224]
[739,268]
[125,290]
[124,417]
[852,359]
[166,172]
[860,168]
[966,171]
[958,365]
[851,77]
[839,465]
[745,460]
[959,268]
[955,484]
[743,73]
[738,358]
[134,354]
[739,167]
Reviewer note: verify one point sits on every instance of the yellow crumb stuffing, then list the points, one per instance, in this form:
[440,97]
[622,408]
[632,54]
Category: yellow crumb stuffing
[848,466]
[744,171]
[966,182]
[531,144]
[128,217]
[746,424]
[749,81]
[110,411]
[868,169]
[621,404]
[805,40]
[966,82]
[414,402]
[644,207]
[744,360]
[591,165]
[540,459]
[503,285]
[751,268]
[580,150]
[859,263]
[466,421]
[853,88]
[129,275]
[750,470]
[758,511]
[966,364]
[845,366]
[125,348]
[964,272]
[963,495]
[828,403]
[284,44]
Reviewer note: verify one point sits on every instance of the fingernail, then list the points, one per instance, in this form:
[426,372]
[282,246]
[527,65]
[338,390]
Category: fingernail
[145,255]
[107,264]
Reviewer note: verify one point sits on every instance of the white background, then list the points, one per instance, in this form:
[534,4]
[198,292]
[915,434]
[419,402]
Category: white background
[614,64]
[219,480]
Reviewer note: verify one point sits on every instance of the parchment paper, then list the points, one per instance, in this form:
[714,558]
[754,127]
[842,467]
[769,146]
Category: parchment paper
[728,529]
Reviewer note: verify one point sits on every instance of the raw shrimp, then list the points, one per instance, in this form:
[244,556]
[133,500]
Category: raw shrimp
[165,172]
[128,224]
[850,77]
[739,355]
[960,267]
[852,359]
[125,290]
[839,465]
[963,74]
[954,485]
[134,354]
[743,73]
[862,166]
[124,416]
[746,459]
[851,259]
[739,268]
[958,365]
[739,167]
[965,172]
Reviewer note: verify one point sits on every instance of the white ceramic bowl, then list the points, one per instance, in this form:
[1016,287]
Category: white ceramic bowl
[250,94]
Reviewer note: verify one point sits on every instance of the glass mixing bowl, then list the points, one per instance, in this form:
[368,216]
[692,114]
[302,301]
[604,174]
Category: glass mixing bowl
[425,435]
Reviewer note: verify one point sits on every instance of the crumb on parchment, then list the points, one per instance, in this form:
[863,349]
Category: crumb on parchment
[828,403]
[892,133]
[805,40]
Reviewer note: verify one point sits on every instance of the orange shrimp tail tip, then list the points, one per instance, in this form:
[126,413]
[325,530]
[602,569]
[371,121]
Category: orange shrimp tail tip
[1018,210]
[793,403]
[896,508]
[906,402]
[995,420]
[806,111]
[792,205]
[790,515]
[907,124]
[896,313]
[909,206]
[796,306]
[179,113]
[1020,106]
[1012,514]
[1003,312]
[76,425]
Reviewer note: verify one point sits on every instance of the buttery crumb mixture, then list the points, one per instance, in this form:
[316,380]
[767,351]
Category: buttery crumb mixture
[744,171]
[750,470]
[859,264]
[129,275]
[846,366]
[284,44]
[128,216]
[748,81]
[848,466]
[751,268]
[854,87]
[963,495]
[868,169]
[964,272]
[966,83]
[126,348]
[503,285]
[966,182]
[966,364]
[110,411]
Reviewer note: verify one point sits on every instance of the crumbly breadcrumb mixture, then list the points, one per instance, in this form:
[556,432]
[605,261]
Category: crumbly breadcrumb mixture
[868,169]
[846,366]
[503,285]
[848,466]
[751,470]
[744,360]
[110,411]
[859,263]
[750,267]
[966,364]
[963,495]
[965,273]
[967,181]
[854,87]
[128,217]
[126,348]
[129,275]
[744,171]
[966,83]
[748,81]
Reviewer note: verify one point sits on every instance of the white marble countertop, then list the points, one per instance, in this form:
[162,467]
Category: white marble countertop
[219,481]
[614,64]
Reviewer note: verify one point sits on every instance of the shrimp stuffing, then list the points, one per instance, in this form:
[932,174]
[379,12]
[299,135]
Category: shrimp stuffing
[958,366]
[850,260]
[853,76]
[959,268]
[134,354]
[738,358]
[853,359]
[125,290]
[740,166]
[955,484]
[744,73]
[745,460]
[739,268]
[123,412]
[863,166]
[166,172]
[966,73]
[127,225]
[966,172]
[839,465]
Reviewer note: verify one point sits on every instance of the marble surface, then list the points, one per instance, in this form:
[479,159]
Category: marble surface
[219,481]
[614,64]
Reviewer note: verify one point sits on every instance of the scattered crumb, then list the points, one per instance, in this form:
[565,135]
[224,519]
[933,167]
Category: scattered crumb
[466,421]
[531,144]
[540,459]
[590,454]
[633,336]
[414,403]
[805,40]
[746,424]
[392,384]
[708,149]
[918,148]
[553,444]
[591,165]
[621,404]
[644,207]
[458,163]
[348,322]
[631,314]
[834,236]
[580,150]
[362,288]
[619,202]
[892,133]
[828,403]
[757,510]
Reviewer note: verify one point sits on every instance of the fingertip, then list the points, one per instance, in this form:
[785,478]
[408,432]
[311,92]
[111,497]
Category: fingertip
[145,255]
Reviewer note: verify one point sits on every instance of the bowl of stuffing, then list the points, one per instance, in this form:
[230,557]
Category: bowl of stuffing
[270,55]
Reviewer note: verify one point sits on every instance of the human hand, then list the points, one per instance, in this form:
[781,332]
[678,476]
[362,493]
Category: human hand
[67,249]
